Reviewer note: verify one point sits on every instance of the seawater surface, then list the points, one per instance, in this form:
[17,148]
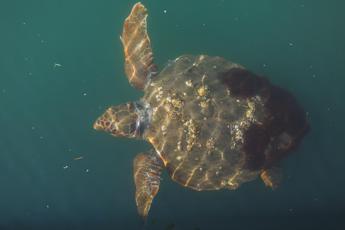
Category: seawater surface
[61,65]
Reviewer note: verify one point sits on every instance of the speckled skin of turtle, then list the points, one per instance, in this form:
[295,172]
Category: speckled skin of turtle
[212,123]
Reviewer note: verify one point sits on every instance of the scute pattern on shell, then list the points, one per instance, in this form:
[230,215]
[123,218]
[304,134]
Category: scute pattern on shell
[193,118]
[200,121]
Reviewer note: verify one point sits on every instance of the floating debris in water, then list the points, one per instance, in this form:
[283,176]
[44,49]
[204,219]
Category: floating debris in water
[47,206]
[84,94]
[65,167]
[87,170]
[291,44]
[78,158]
[57,65]
[165,11]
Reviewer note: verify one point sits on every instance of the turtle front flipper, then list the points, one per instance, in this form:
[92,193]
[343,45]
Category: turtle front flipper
[272,177]
[147,171]
[137,47]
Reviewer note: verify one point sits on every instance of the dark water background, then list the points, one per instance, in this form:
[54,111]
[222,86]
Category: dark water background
[61,64]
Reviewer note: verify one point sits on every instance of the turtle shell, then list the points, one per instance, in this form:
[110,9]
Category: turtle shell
[216,125]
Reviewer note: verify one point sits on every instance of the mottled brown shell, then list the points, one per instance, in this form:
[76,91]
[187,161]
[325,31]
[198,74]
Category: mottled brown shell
[216,125]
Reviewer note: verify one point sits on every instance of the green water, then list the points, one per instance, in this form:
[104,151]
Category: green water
[61,64]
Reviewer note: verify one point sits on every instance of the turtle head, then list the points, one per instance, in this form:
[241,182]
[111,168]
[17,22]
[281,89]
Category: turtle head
[121,121]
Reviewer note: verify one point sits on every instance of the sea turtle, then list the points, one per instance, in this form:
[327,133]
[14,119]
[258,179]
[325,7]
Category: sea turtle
[212,123]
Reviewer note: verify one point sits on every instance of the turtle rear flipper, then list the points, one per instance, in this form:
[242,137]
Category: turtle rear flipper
[147,170]
[137,47]
[272,177]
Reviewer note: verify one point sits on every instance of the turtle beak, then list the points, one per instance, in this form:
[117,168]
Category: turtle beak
[97,125]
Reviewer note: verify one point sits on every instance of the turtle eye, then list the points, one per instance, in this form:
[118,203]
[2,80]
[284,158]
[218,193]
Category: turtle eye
[112,129]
